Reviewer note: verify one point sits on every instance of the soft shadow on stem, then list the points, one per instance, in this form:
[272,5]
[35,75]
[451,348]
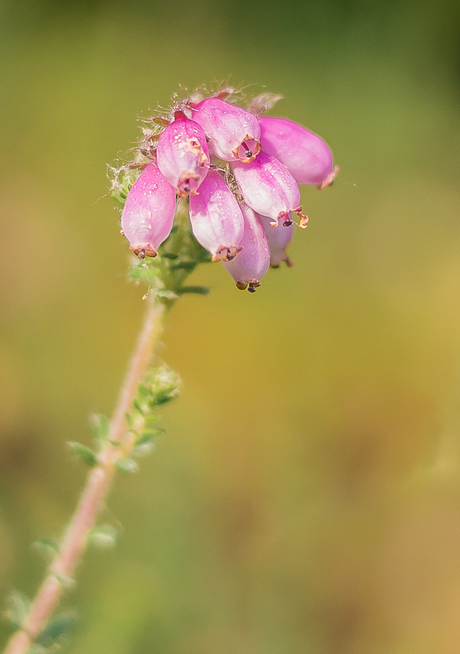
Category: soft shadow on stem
[96,489]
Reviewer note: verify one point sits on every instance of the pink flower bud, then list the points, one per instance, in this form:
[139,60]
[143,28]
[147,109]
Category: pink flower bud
[234,134]
[216,219]
[148,214]
[278,239]
[269,188]
[305,155]
[248,268]
[182,155]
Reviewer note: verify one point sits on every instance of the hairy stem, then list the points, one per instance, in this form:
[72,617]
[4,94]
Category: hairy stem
[96,489]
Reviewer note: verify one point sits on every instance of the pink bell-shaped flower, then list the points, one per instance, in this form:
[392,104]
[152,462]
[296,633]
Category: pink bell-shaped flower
[279,238]
[234,134]
[216,218]
[148,214]
[182,155]
[248,268]
[269,188]
[305,155]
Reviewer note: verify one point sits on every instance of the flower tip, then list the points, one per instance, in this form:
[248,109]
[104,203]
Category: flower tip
[248,149]
[142,251]
[251,286]
[329,180]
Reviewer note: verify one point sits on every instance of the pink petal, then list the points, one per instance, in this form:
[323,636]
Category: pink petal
[182,155]
[148,214]
[234,134]
[279,238]
[269,188]
[216,219]
[305,155]
[248,268]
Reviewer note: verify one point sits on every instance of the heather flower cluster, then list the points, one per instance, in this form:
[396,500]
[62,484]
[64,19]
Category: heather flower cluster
[238,171]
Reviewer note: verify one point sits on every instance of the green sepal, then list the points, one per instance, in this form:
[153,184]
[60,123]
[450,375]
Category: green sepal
[17,608]
[85,453]
[127,466]
[199,290]
[104,537]
[46,547]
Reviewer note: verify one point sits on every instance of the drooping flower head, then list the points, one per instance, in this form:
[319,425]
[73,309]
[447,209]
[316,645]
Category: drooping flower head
[238,173]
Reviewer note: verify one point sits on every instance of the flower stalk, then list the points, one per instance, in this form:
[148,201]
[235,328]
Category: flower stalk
[119,444]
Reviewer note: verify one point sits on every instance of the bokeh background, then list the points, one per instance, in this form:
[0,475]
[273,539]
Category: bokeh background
[306,495]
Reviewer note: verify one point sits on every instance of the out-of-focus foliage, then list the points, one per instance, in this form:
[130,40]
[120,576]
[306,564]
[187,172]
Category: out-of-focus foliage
[305,498]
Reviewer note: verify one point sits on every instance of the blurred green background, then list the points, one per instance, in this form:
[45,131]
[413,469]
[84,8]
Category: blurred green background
[306,496]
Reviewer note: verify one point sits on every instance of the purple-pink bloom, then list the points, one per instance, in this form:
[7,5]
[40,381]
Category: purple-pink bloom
[248,268]
[234,134]
[148,214]
[305,155]
[182,155]
[279,238]
[216,218]
[269,188]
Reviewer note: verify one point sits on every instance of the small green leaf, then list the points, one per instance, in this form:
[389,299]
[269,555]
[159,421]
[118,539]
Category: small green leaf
[66,582]
[199,290]
[127,466]
[100,426]
[85,453]
[56,628]
[39,649]
[147,436]
[183,265]
[145,444]
[137,406]
[129,421]
[165,294]
[17,608]
[103,537]
[46,547]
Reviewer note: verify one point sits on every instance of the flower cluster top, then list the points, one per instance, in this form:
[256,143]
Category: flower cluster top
[240,172]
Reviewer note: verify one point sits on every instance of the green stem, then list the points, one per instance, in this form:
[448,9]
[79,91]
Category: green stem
[96,489]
